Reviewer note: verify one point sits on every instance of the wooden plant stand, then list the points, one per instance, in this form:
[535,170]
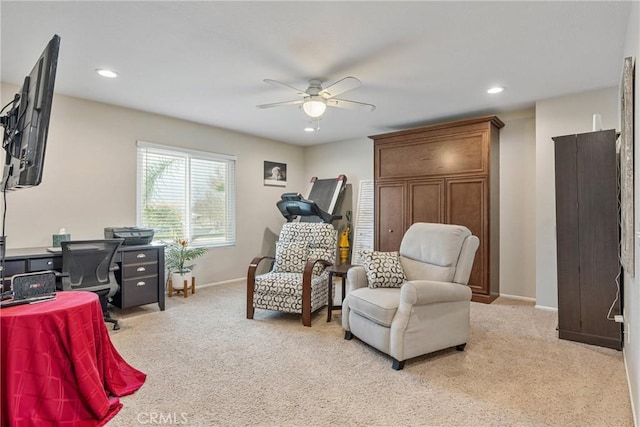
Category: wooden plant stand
[184,289]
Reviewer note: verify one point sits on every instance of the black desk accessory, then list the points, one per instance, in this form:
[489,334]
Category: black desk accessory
[39,283]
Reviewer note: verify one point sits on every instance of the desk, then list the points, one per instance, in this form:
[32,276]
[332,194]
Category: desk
[339,271]
[58,364]
[140,276]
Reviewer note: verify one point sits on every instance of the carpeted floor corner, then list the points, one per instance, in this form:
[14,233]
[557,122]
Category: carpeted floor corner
[209,366]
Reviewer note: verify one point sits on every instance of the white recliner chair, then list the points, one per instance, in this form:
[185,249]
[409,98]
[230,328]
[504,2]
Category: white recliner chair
[416,301]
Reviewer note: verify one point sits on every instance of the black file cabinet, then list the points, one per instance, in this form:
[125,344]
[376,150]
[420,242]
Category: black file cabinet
[141,276]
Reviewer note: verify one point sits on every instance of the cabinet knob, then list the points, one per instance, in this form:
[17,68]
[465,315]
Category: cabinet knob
[49,262]
[390,231]
[141,269]
[141,283]
[141,256]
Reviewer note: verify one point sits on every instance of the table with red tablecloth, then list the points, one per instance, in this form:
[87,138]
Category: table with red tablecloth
[58,364]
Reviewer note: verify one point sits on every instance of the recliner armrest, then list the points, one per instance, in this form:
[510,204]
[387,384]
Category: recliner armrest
[356,278]
[423,292]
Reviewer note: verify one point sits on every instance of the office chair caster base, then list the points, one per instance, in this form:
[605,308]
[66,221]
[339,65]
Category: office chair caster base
[116,326]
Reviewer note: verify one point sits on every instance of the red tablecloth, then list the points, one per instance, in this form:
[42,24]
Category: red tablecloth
[58,364]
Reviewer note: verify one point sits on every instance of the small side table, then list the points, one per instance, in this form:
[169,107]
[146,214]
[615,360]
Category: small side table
[339,271]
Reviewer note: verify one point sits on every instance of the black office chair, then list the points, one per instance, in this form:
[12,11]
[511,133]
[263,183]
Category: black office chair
[87,265]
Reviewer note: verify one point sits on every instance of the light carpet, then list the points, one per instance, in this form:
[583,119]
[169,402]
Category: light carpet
[207,365]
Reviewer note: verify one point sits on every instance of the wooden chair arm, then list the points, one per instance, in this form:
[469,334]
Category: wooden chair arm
[257,260]
[306,288]
[251,279]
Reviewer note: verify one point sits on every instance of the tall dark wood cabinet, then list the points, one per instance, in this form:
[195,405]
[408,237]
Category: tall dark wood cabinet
[587,229]
[445,173]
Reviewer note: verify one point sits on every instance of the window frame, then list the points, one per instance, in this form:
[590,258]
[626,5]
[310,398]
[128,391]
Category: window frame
[229,237]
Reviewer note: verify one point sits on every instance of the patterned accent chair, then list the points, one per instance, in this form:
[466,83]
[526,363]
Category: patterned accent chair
[298,280]
[415,301]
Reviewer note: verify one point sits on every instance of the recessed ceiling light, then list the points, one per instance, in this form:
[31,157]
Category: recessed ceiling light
[309,129]
[107,73]
[496,89]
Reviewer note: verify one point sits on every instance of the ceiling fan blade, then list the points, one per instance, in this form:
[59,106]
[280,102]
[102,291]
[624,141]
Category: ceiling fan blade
[351,105]
[286,86]
[280,104]
[341,86]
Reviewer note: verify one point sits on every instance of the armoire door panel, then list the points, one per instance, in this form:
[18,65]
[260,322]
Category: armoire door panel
[442,155]
[598,232]
[568,249]
[426,201]
[466,205]
[390,209]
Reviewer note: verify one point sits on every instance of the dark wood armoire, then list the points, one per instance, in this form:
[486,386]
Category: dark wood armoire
[444,173]
[587,231]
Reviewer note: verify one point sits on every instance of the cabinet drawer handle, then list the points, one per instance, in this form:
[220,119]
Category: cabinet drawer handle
[141,283]
[141,269]
[141,256]
[49,262]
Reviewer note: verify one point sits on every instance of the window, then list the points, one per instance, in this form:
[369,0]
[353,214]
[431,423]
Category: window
[186,194]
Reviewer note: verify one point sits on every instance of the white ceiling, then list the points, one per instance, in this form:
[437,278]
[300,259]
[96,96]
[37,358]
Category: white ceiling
[419,62]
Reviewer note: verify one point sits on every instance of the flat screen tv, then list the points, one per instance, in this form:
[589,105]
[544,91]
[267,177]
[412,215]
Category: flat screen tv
[26,124]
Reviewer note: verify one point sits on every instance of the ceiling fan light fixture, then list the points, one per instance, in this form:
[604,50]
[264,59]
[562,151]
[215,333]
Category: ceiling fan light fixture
[314,106]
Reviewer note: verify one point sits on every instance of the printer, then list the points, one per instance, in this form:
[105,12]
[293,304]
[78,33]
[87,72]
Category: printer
[132,235]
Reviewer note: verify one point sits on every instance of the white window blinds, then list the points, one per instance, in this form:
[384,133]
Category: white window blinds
[186,194]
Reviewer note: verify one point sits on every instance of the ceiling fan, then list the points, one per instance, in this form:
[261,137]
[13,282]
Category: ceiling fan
[315,99]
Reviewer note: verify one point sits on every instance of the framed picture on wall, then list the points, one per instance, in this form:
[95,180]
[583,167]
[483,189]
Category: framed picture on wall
[275,173]
[627,209]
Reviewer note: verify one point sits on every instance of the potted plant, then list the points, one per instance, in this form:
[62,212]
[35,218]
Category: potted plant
[177,257]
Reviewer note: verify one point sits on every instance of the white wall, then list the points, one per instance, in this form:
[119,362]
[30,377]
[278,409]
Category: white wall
[90,175]
[631,291]
[353,158]
[556,117]
[517,204]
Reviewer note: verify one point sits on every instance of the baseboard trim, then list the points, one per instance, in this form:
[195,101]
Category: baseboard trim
[518,297]
[224,282]
[545,308]
[538,307]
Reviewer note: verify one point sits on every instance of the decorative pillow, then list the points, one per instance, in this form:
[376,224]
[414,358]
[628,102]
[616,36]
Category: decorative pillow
[291,257]
[383,269]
